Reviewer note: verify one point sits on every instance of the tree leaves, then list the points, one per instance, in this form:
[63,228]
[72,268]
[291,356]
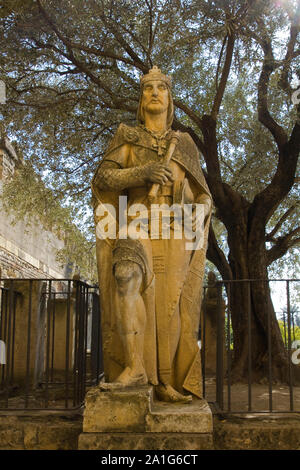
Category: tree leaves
[72,72]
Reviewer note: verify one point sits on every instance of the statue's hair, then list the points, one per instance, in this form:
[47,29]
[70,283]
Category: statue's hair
[170,114]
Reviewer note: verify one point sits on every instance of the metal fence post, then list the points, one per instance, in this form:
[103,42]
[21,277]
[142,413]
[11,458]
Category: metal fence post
[220,350]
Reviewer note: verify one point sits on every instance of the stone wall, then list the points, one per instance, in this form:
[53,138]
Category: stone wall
[46,432]
[40,432]
[8,159]
[257,433]
[14,266]
[27,251]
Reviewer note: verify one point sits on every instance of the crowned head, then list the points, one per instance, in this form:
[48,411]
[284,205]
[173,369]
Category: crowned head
[155,76]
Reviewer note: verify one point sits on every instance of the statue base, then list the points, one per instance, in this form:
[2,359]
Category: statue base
[130,419]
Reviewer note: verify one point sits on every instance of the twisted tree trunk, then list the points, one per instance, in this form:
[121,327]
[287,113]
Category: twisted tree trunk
[260,331]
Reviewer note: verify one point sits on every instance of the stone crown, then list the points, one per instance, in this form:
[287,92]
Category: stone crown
[155,74]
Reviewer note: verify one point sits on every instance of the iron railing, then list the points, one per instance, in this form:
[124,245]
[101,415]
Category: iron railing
[51,350]
[252,394]
[51,343]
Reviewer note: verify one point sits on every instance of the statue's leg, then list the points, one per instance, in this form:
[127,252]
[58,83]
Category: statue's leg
[168,278]
[165,391]
[175,326]
[131,317]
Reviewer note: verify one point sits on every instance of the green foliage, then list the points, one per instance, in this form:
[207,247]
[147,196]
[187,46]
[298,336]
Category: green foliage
[27,196]
[295,332]
[72,74]
[229,337]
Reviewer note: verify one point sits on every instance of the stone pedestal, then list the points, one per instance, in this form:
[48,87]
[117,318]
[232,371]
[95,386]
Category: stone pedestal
[132,420]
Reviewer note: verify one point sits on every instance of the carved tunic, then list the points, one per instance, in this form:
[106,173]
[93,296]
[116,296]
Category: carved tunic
[172,274]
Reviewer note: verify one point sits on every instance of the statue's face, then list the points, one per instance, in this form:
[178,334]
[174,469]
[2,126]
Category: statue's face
[155,97]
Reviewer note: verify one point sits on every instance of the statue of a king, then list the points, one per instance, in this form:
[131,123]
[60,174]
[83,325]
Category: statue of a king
[150,286]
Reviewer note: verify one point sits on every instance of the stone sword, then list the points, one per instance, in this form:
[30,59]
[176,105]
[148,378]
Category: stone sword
[174,140]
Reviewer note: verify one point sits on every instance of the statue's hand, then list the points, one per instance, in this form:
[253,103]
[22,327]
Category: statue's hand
[157,173]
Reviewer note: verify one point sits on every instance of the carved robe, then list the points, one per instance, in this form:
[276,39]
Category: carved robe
[172,281]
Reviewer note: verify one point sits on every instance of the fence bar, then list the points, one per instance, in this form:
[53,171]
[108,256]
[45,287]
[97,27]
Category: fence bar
[53,335]
[3,296]
[81,344]
[95,339]
[270,359]
[85,338]
[293,323]
[75,366]
[203,343]
[228,351]
[249,350]
[8,344]
[284,329]
[84,333]
[80,340]
[97,312]
[28,344]
[13,338]
[220,350]
[289,346]
[100,344]
[48,344]
[4,321]
[67,345]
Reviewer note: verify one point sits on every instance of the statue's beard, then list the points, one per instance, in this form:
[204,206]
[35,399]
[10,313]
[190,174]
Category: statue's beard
[154,108]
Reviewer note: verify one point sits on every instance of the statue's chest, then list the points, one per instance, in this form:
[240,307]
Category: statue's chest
[139,156]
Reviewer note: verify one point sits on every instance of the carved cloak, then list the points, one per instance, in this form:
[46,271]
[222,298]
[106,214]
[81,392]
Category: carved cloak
[187,364]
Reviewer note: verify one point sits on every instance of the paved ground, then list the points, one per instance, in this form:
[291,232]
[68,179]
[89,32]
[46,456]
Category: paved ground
[239,396]
[260,397]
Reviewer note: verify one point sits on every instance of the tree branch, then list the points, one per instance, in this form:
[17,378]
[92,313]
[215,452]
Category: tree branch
[283,244]
[189,112]
[224,77]
[264,115]
[134,37]
[270,236]
[217,257]
[220,60]
[120,38]
[150,40]
[268,199]
[177,125]
[284,82]
[136,61]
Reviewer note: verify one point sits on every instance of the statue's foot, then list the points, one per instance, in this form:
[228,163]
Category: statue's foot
[169,394]
[130,377]
[110,386]
[124,381]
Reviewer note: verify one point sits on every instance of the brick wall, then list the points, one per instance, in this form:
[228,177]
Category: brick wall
[13,266]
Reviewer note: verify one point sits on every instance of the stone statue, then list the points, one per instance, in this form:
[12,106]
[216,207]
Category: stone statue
[150,286]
